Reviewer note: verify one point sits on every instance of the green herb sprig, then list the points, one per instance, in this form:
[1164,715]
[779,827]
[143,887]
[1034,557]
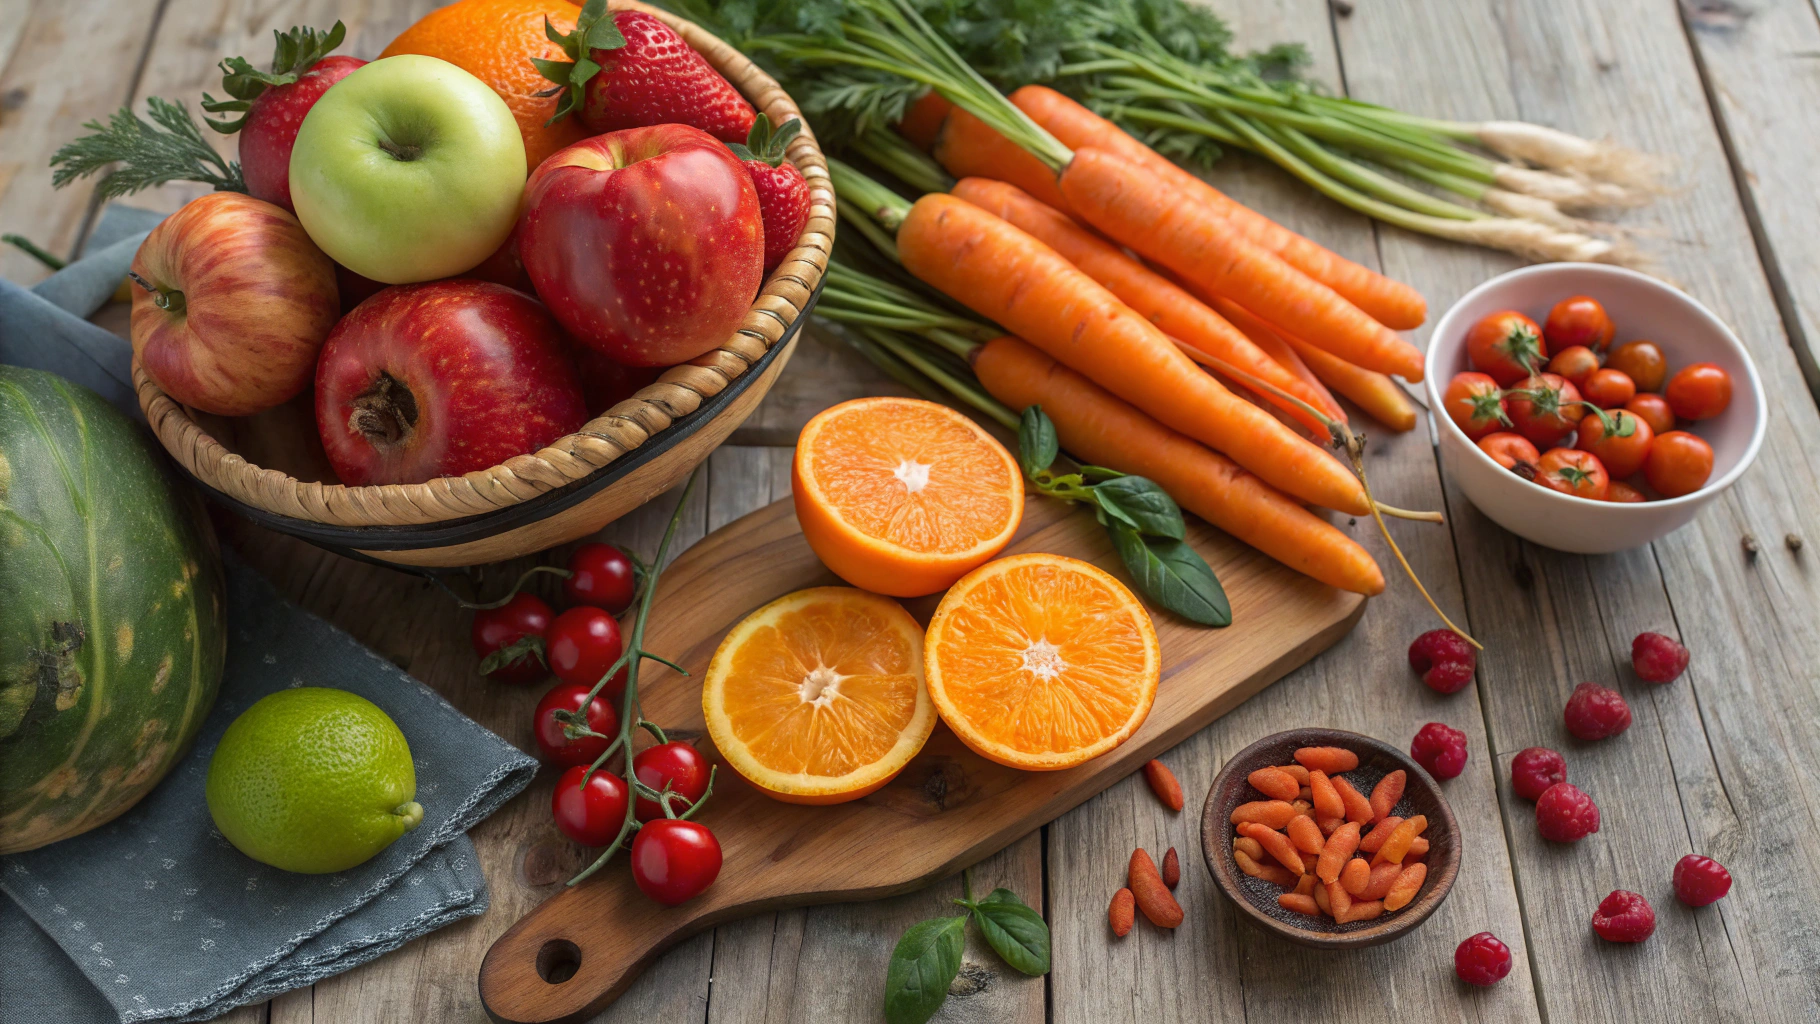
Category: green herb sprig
[928,956]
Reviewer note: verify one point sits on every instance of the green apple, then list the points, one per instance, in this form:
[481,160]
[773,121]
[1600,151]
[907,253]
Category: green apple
[409,169]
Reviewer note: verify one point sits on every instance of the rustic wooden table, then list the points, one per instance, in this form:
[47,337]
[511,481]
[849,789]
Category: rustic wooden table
[1726,761]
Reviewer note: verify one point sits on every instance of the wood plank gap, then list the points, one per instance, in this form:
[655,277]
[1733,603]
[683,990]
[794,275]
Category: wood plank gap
[1779,289]
[92,214]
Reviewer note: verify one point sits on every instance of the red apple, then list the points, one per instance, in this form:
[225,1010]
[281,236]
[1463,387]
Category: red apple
[232,304]
[440,379]
[647,243]
[273,104]
[605,383]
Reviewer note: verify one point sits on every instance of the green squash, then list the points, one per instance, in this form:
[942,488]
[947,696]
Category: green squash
[111,619]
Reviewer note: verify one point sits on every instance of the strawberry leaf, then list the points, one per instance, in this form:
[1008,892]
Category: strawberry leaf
[594,30]
[296,52]
[765,144]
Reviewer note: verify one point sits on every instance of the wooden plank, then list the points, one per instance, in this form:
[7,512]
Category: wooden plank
[1364,684]
[66,63]
[1743,774]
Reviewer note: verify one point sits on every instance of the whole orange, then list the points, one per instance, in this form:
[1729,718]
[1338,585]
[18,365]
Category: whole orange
[494,40]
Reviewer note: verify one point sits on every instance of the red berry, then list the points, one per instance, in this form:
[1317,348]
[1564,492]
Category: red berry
[1657,658]
[674,860]
[1566,815]
[1701,880]
[1444,660]
[677,765]
[657,78]
[1595,712]
[552,733]
[1482,960]
[600,575]
[1441,749]
[590,814]
[581,645]
[525,615]
[783,204]
[1533,770]
[1624,916]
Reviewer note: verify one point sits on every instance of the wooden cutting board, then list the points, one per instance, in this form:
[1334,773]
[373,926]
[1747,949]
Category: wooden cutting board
[946,810]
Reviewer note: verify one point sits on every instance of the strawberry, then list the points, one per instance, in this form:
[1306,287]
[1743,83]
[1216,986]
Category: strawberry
[631,70]
[783,195]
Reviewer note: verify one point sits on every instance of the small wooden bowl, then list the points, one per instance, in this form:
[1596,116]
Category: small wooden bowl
[1256,899]
[270,467]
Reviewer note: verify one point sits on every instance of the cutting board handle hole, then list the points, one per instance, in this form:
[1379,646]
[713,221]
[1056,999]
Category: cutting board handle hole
[558,961]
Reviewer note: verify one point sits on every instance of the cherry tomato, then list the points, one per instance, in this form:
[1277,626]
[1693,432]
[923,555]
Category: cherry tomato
[1609,389]
[1578,321]
[674,860]
[600,575]
[1699,391]
[495,628]
[1623,493]
[1642,362]
[1513,452]
[583,643]
[1620,439]
[552,738]
[1678,464]
[1573,472]
[1475,403]
[677,764]
[593,813]
[1652,409]
[1506,345]
[1544,408]
[1575,364]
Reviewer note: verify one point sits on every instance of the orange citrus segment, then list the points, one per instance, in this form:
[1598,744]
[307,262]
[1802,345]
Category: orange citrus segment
[1041,661]
[902,496]
[818,697]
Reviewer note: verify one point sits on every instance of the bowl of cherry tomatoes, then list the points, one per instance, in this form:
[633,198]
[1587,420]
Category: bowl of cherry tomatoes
[1591,408]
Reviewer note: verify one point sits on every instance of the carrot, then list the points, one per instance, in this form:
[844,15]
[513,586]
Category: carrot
[1100,428]
[1397,844]
[1276,844]
[1381,398]
[1404,889]
[969,148]
[1339,849]
[1266,870]
[1361,910]
[1136,209]
[1011,278]
[1163,783]
[1276,345]
[1357,807]
[1383,876]
[1392,303]
[1331,760]
[1274,783]
[1151,895]
[922,123]
[1163,302]
[1305,834]
[1387,792]
[1355,876]
[1338,899]
[1327,802]
[1304,886]
[1269,813]
[1299,772]
[1123,911]
[1249,847]
[1297,902]
[1379,832]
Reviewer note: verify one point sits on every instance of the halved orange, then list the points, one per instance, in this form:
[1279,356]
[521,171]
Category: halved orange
[818,697]
[1041,661]
[902,496]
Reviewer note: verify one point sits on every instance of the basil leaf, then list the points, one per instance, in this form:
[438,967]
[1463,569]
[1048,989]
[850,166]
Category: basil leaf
[1014,931]
[1098,474]
[1174,575]
[922,966]
[1036,443]
[1142,505]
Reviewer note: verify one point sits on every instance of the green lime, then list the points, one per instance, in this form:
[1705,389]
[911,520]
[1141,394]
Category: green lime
[313,780]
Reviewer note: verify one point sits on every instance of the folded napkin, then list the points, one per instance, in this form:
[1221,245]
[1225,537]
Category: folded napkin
[155,916]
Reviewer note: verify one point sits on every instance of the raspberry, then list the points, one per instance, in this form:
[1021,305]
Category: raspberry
[1701,880]
[1566,815]
[1482,960]
[1624,916]
[1441,749]
[1657,658]
[1444,660]
[1532,771]
[1595,712]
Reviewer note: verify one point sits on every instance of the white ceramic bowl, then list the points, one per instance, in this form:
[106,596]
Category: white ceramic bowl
[1642,307]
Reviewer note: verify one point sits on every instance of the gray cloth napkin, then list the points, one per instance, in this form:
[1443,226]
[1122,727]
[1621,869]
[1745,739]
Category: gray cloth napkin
[155,916]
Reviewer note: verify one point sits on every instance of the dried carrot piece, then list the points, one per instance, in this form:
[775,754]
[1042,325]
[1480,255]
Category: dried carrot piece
[1172,869]
[1276,844]
[1383,876]
[1362,910]
[1417,848]
[1122,913]
[1375,838]
[1306,835]
[1270,872]
[1332,760]
[1328,825]
[1397,844]
[1152,896]
[1274,783]
[1295,771]
[1339,899]
[1409,880]
[1327,802]
[1357,807]
[1302,806]
[1320,900]
[1163,783]
[1340,846]
[1387,792]
[1299,903]
[1268,813]
[1355,876]
[1252,847]
[1305,885]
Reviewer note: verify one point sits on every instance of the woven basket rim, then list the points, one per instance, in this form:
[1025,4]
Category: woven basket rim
[678,393]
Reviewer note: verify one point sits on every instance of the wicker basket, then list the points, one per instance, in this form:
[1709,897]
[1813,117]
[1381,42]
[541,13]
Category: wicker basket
[634,451]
